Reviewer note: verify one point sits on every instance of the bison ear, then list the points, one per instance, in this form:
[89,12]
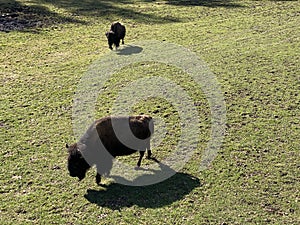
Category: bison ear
[67,146]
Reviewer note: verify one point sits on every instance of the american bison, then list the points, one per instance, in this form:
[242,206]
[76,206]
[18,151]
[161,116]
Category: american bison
[117,32]
[107,138]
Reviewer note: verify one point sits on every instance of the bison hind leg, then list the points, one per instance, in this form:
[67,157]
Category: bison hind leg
[149,153]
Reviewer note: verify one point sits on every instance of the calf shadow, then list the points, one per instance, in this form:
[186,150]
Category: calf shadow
[117,196]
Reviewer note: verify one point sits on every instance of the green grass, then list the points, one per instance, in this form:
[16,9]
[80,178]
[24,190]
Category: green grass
[251,46]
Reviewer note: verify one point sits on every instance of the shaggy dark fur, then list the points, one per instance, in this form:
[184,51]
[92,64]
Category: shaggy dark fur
[117,32]
[77,165]
[82,154]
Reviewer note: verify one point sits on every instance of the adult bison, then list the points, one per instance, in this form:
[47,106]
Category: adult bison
[107,138]
[116,34]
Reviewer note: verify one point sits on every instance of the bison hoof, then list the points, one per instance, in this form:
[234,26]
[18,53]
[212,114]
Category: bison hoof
[149,157]
[153,159]
[137,167]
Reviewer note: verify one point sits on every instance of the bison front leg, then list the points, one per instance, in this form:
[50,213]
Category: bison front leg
[149,156]
[141,157]
[98,178]
[117,43]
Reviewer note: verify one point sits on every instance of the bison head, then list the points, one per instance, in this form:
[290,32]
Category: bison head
[77,165]
[110,38]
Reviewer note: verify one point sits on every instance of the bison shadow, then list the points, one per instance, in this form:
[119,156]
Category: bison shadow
[205,3]
[117,196]
[129,50]
[16,16]
[110,9]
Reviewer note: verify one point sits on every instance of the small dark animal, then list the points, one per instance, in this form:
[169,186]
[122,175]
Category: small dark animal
[117,32]
[91,151]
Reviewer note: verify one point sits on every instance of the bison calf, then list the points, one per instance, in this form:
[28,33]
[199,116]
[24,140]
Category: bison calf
[107,138]
[117,32]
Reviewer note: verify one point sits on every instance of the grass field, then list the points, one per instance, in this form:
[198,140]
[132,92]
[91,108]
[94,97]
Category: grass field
[252,47]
